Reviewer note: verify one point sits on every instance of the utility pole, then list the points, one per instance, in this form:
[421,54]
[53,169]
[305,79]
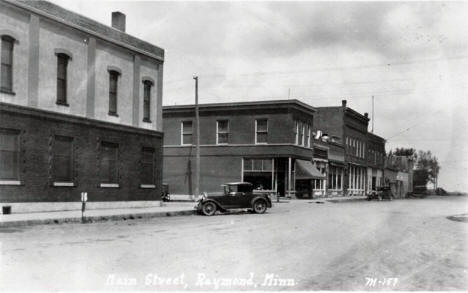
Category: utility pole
[372,114]
[197,143]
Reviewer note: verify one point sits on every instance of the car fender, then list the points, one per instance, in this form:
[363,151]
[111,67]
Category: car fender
[262,198]
[218,205]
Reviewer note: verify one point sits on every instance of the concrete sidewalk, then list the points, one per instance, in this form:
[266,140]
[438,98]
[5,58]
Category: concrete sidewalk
[57,217]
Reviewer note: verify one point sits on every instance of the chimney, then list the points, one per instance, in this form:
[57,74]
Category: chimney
[366,115]
[343,103]
[118,20]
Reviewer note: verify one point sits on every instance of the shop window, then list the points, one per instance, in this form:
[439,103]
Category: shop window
[147,166]
[222,132]
[108,165]
[6,73]
[9,155]
[186,132]
[259,173]
[62,162]
[62,67]
[261,131]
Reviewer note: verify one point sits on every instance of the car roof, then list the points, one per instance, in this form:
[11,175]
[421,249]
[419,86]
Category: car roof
[238,183]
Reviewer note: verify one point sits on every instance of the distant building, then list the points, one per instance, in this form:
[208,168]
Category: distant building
[399,174]
[80,107]
[350,128]
[375,161]
[267,143]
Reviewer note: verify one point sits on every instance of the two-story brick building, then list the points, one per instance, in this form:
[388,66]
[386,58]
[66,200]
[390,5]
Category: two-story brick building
[350,128]
[375,161]
[80,107]
[267,143]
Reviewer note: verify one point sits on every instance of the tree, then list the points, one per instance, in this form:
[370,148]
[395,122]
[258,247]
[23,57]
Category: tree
[407,152]
[427,161]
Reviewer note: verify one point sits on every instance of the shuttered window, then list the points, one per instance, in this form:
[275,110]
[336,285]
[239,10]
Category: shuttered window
[9,155]
[62,165]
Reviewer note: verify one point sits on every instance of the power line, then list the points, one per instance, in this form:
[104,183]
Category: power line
[387,64]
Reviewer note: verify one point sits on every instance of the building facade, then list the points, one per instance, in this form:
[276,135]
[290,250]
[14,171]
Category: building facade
[375,161]
[267,143]
[80,107]
[349,128]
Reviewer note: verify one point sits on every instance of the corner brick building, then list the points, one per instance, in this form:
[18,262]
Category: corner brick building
[80,108]
[267,143]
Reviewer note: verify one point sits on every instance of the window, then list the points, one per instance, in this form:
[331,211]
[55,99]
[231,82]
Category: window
[258,165]
[7,64]
[307,136]
[62,64]
[222,132]
[261,131]
[147,85]
[113,81]
[186,128]
[9,155]
[296,131]
[62,163]
[147,166]
[301,133]
[108,165]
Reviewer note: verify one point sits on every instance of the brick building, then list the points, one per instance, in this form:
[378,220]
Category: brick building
[267,143]
[375,161]
[80,107]
[346,126]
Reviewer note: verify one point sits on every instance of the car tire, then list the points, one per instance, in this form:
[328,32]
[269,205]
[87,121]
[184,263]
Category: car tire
[259,206]
[208,209]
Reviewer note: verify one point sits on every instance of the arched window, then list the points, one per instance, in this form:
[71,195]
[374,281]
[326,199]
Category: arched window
[6,74]
[147,85]
[62,65]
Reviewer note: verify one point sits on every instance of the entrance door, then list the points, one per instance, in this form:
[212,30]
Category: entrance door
[374,182]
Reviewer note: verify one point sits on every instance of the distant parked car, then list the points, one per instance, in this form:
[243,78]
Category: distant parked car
[236,195]
[165,192]
[383,192]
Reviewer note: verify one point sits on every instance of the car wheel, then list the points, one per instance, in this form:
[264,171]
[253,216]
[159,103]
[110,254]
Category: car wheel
[209,209]
[259,206]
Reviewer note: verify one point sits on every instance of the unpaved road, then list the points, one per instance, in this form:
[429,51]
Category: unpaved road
[300,245]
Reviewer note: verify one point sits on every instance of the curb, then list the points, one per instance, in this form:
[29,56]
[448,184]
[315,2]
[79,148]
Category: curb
[95,219]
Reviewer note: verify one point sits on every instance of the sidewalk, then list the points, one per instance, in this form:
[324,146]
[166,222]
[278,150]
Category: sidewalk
[37,218]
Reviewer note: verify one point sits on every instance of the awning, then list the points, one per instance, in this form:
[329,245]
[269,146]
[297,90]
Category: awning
[306,170]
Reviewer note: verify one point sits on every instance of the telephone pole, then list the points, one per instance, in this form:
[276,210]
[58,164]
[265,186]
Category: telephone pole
[197,142]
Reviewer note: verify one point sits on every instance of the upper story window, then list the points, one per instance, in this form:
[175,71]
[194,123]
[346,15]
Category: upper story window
[113,91]
[6,74]
[9,154]
[261,131]
[62,163]
[186,132]
[222,132]
[62,66]
[147,86]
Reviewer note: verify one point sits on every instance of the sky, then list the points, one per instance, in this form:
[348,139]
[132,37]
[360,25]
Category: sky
[412,57]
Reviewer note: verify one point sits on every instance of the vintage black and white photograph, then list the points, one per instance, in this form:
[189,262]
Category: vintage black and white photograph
[233,145]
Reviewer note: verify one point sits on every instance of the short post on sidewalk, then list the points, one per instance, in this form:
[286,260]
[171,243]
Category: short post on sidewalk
[84,199]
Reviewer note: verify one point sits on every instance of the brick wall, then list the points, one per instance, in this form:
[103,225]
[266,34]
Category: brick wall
[37,131]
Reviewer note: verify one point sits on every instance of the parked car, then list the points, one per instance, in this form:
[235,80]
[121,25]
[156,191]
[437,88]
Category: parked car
[236,195]
[165,192]
[383,192]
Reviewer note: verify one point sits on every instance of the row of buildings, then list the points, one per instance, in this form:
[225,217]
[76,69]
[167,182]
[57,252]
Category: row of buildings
[81,110]
[284,146]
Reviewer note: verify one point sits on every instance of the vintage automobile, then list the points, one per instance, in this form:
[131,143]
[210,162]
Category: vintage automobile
[383,192]
[235,195]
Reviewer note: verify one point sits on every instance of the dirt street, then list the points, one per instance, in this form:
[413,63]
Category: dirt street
[300,245]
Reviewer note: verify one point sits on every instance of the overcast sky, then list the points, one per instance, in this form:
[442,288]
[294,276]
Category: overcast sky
[412,57]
